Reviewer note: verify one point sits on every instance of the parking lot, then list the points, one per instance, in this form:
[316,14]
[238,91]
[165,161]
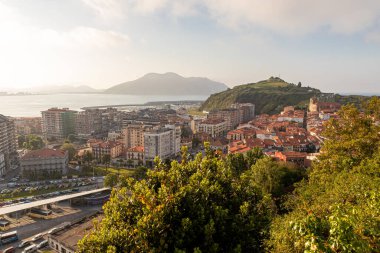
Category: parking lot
[29,229]
[25,192]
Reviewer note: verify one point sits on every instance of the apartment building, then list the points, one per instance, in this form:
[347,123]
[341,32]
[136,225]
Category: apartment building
[213,127]
[101,148]
[246,111]
[88,122]
[28,125]
[8,146]
[163,142]
[133,134]
[44,162]
[58,123]
[231,116]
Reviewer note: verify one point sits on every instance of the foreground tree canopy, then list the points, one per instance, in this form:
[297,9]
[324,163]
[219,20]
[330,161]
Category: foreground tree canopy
[203,205]
[338,208]
[248,203]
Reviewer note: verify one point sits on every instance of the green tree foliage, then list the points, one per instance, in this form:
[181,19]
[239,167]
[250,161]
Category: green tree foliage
[338,208]
[87,157]
[69,147]
[111,180]
[253,155]
[140,172]
[275,178]
[203,205]
[31,142]
[106,159]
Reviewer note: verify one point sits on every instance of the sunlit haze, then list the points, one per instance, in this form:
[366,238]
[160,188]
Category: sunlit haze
[330,45]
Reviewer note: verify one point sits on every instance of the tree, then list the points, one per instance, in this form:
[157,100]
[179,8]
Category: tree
[253,155]
[299,85]
[338,208]
[69,147]
[197,206]
[110,180]
[140,173]
[106,160]
[72,137]
[32,142]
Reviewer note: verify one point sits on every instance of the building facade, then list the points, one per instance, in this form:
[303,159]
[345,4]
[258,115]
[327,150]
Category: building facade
[28,125]
[58,123]
[8,145]
[163,142]
[112,148]
[44,162]
[133,134]
[246,111]
[231,116]
[213,127]
[88,122]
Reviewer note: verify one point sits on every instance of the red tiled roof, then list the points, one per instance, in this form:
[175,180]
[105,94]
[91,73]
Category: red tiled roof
[136,149]
[44,153]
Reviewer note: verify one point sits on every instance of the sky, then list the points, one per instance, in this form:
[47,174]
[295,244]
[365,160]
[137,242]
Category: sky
[330,45]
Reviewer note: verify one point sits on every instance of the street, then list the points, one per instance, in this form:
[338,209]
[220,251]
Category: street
[42,226]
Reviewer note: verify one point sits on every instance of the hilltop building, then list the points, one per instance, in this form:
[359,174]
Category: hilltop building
[316,106]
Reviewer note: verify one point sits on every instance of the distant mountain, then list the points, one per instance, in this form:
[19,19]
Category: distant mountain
[168,84]
[54,89]
[270,96]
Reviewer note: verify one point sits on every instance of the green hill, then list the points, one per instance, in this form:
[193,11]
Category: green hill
[269,96]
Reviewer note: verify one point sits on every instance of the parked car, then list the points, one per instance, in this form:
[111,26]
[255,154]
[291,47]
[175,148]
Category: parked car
[9,250]
[23,244]
[37,237]
[42,244]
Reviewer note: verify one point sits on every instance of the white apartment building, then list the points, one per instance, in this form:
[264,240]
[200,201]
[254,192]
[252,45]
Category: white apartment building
[2,165]
[213,127]
[164,142]
[8,147]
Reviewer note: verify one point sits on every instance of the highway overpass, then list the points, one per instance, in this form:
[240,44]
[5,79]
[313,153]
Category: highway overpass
[24,206]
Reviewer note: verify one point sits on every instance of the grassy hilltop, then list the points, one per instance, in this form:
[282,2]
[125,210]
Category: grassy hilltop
[270,96]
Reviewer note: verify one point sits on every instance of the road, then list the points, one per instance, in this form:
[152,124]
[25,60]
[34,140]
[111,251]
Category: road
[41,226]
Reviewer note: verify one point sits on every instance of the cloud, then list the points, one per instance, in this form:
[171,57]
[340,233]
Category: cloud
[291,17]
[373,37]
[45,55]
[106,9]
[297,16]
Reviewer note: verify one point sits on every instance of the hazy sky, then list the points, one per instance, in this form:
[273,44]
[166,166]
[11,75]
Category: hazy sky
[330,45]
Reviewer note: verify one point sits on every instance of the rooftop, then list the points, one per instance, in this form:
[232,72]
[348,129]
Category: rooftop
[70,236]
[44,153]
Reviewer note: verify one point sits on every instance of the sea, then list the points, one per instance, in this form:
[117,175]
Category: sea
[32,105]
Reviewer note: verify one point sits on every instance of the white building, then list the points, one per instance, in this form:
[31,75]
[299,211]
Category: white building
[8,148]
[164,142]
[44,162]
[2,165]
[213,127]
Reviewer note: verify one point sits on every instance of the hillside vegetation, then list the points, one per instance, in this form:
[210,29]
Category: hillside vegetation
[270,96]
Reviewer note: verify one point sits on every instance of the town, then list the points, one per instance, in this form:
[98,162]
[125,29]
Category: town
[55,166]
